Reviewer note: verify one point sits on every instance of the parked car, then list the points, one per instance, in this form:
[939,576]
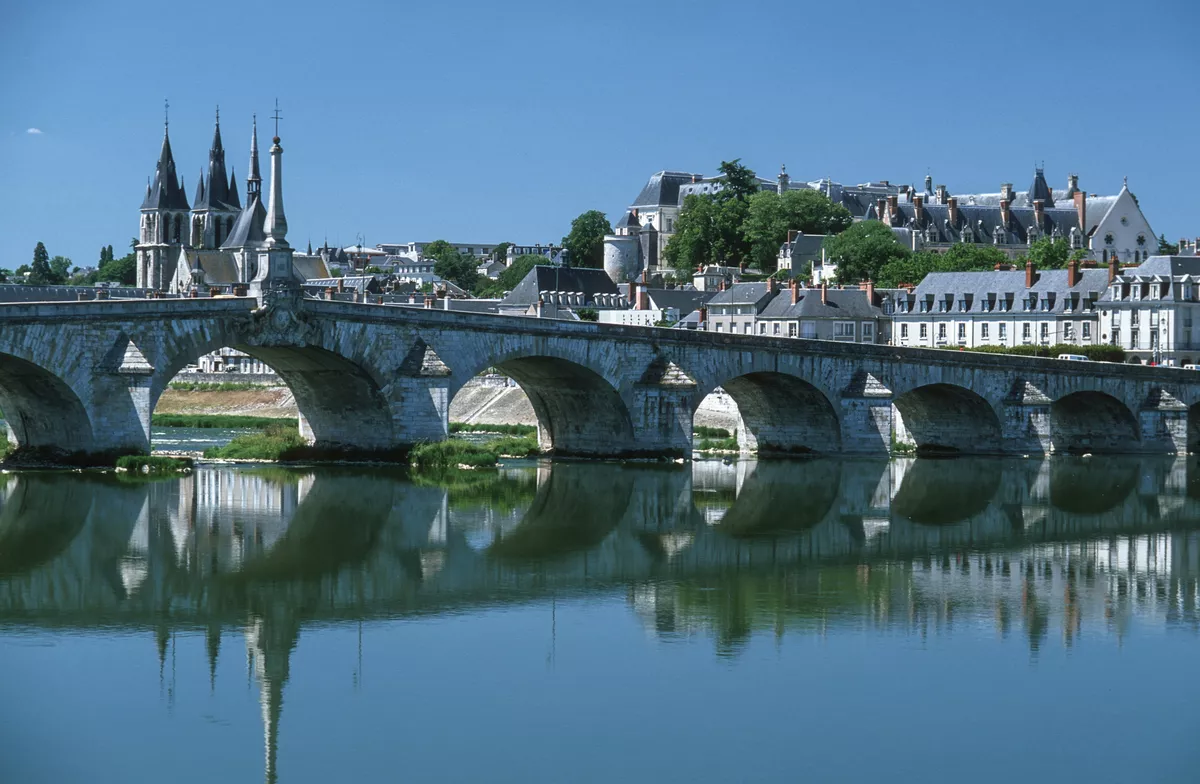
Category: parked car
[1073,357]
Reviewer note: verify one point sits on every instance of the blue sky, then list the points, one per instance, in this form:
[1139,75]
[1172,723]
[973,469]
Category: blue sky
[493,121]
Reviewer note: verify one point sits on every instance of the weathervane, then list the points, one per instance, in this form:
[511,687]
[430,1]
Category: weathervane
[277,116]
[166,112]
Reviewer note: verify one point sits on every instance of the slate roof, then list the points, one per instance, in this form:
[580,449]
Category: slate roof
[839,304]
[544,278]
[1039,190]
[740,294]
[630,221]
[979,288]
[213,194]
[1156,270]
[363,284]
[683,300]
[15,292]
[662,189]
[165,192]
[309,267]
[248,229]
[981,222]
[218,265]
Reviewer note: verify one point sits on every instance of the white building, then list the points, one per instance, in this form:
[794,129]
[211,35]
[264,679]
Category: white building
[1153,311]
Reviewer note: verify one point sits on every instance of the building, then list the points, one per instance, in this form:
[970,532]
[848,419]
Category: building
[215,242]
[856,315]
[656,306]
[1104,226]
[561,292]
[802,251]
[1004,307]
[415,251]
[1153,311]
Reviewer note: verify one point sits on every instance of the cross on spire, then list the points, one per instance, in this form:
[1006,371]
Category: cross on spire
[277,117]
[166,113]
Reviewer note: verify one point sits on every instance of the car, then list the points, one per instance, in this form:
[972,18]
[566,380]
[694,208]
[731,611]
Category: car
[1191,367]
[1073,357]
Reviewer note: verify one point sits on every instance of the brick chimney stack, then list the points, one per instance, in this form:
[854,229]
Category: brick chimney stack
[880,208]
[795,287]
[643,298]
[772,285]
[941,194]
[1080,198]
[1031,275]
[1005,213]
[1113,270]
[632,296]
[919,208]
[824,293]
[893,205]
[1039,213]
[1073,275]
[869,287]
[953,204]
[1006,192]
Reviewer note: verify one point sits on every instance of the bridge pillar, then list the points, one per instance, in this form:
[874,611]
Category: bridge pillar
[419,396]
[119,405]
[1025,424]
[1163,422]
[661,413]
[867,416]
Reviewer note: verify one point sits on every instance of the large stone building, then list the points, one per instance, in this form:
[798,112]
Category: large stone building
[215,242]
[853,315]
[1153,311]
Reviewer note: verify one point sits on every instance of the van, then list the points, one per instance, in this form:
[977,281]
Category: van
[1191,367]
[1073,357]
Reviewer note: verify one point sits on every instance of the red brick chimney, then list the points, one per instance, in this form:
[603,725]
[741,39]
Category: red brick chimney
[824,293]
[869,287]
[1081,208]
[1031,275]
[341,285]
[953,203]
[1005,212]
[703,313]
[893,208]
[643,298]
[919,208]
[1113,271]
[772,285]
[1073,276]
[1039,213]
[795,287]
[880,208]
[632,297]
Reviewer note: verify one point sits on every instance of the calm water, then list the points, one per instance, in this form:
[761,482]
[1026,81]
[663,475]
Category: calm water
[192,439]
[967,620]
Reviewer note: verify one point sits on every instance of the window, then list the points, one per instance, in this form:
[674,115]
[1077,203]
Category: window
[1087,330]
[924,331]
[1045,331]
[941,331]
[1133,317]
[808,329]
[1026,331]
[792,330]
[719,325]
[762,327]
[1108,239]
[1068,331]
[962,331]
[1133,338]
[904,331]
[843,330]
[746,328]
[1004,332]
[775,328]
[983,331]
[1141,240]
[868,332]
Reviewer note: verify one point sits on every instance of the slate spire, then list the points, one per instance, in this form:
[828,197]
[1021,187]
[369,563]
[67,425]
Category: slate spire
[235,201]
[254,180]
[165,192]
[1040,189]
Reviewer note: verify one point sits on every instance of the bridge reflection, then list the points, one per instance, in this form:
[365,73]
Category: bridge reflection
[1034,547]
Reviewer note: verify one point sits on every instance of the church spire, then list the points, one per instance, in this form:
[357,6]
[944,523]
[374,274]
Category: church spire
[254,180]
[165,193]
[235,201]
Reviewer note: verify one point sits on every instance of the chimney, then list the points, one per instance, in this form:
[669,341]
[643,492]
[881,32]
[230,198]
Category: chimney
[341,285]
[884,183]
[82,296]
[1072,184]
[703,313]
[329,293]
[643,299]
[772,285]
[893,208]
[880,205]
[632,296]
[1073,276]
[919,208]
[941,194]
[1039,213]
[213,291]
[1006,191]
[1030,274]
[1112,268]
[795,287]
[721,285]
[1002,267]
[1005,213]
[193,294]
[824,293]
[541,307]
[953,203]
[869,287]
[1080,198]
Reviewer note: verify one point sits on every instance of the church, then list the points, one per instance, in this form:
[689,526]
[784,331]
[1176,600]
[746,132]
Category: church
[216,242]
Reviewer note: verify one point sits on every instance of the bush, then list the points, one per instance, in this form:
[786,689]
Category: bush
[216,386]
[224,421]
[710,432]
[507,430]
[152,464]
[269,444]
[441,455]
[722,445]
[1095,353]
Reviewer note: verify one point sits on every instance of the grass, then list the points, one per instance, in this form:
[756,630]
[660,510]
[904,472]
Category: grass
[710,432]
[270,443]
[153,464]
[6,446]
[216,386]
[718,444]
[224,421]
[443,455]
[507,430]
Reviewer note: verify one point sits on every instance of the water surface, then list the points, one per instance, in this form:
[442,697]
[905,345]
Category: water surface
[911,620]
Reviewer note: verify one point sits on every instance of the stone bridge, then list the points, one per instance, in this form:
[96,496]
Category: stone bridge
[84,377]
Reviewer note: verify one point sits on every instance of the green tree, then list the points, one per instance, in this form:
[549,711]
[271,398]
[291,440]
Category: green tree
[60,270]
[511,276]
[373,270]
[585,242]
[969,257]
[40,273]
[1048,253]
[737,181]
[5,274]
[122,270]
[907,269]
[862,250]
[1166,248]
[692,245]
[500,252]
[771,216]
[449,264]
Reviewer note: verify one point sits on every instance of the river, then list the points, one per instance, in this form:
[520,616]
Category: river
[904,620]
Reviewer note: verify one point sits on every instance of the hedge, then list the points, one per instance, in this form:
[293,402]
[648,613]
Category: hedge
[1095,353]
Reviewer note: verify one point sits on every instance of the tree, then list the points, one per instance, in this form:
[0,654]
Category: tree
[862,250]
[1048,253]
[60,270]
[500,252]
[737,181]
[39,271]
[449,264]
[692,245]
[770,217]
[122,270]
[511,276]
[439,249]
[585,243]
[373,270]
[908,269]
[5,274]
[1166,248]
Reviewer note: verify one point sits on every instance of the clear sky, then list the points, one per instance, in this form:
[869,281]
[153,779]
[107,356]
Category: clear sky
[489,121]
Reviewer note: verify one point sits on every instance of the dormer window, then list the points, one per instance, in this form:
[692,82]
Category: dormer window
[1155,290]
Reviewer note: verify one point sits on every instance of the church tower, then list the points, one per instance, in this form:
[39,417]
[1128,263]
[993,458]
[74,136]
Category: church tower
[164,222]
[215,207]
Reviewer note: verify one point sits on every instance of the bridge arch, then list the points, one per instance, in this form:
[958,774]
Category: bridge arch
[1091,421]
[782,414]
[41,409]
[946,418]
[343,406]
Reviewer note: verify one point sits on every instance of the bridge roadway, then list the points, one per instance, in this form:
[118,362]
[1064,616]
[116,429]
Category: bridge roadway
[346,546]
[84,377]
